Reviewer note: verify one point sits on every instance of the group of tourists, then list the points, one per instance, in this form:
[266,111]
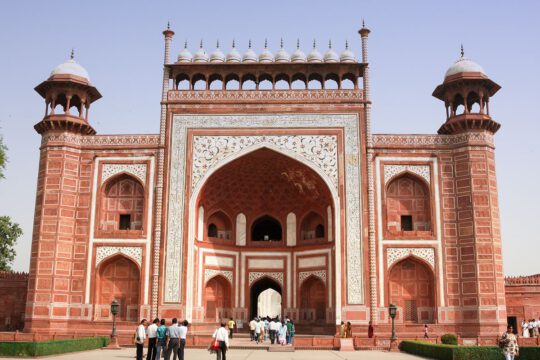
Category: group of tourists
[273,329]
[345,330]
[163,341]
[530,328]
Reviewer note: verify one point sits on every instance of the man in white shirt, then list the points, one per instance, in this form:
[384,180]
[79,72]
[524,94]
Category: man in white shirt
[221,335]
[258,326]
[273,328]
[252,329]
[152,339]
[140,336]
[183,334]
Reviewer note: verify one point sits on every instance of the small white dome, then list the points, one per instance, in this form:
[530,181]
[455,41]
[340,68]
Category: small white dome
[266,56]
[298,55]
[347,56]
[217,55]
[463,65]
[200,55]
[185,55]
[234,56]
[249,55]
[330,55]
[282,55]
[314,56]
[70,67]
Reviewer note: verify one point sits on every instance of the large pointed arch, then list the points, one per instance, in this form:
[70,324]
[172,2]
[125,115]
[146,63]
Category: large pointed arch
[194,196]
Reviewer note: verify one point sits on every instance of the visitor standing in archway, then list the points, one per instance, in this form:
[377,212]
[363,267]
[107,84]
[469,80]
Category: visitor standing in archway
[230,325]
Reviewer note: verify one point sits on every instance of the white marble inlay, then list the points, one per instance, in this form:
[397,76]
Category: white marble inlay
[137,170]
[392,170]
[133,252]
[394,255]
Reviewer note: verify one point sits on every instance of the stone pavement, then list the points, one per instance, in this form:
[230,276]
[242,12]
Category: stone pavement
[200,354]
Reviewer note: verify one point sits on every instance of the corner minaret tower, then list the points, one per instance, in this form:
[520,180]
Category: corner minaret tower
[471,212]
[68,86]
[466,91]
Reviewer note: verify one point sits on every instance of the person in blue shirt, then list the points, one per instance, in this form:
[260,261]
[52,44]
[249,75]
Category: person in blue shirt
[161,340]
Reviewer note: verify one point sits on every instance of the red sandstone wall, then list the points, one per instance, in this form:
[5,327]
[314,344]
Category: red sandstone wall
[12,292]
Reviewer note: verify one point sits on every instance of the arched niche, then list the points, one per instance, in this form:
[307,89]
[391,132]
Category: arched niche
[118,278]
[411,288]
[407,205]
[313,227]
[313,300]
[121,205]
[219,225]
[266,228]
[217,298]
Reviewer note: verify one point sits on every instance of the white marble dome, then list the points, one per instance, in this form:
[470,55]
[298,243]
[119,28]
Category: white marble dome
[217,55]
[70,67]
[266,56]
[200,55]
[347,56]
[282,55]
[234,56]
[330,55]
[463,64]
[298,55]
[185,55]
[249,56]
[315,56]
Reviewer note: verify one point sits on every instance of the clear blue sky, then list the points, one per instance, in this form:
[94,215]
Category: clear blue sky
[411,45]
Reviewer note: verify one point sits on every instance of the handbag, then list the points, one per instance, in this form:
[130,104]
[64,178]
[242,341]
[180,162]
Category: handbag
[215,345]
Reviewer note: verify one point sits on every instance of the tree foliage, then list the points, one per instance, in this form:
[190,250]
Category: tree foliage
[3,160]
[9,232]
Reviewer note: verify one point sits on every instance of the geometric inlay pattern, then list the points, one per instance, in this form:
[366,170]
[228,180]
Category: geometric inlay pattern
[393,255]
[210,273]
[303,275]
[320,149]
[254,276]
[133,252]
[137,170]
[392,170]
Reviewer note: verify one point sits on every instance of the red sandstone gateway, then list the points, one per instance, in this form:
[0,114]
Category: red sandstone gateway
[265,193]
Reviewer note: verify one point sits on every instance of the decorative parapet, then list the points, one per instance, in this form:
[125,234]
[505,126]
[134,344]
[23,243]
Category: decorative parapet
[100,140]
[522,280]
[352,95]
[13,275]
[389,140]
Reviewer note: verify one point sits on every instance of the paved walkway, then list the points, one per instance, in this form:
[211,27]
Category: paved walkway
[200,354]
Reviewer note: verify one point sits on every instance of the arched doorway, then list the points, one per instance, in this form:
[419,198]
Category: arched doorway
[217,298]
[257,289]
[266,228]
[411,289]
[269,303]
[313,300]
[119,279]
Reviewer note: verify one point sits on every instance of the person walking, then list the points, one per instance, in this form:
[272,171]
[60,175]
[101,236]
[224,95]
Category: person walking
[231,325]
[290,332]
[348,330]
[152,339]
[525,328]
[140,336]
[266,327]
[222,335]
[252,325]
[282,333]
[173,332]
[182,338]
[258,328]
[426,336]
[273,327]
[342,329]
[161,340]
[509,344]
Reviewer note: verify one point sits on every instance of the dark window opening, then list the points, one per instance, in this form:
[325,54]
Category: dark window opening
[266,229]
[212,230]
[406,223]
[319,231]
[125,222]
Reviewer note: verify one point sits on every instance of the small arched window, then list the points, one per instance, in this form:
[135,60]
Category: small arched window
[212,230]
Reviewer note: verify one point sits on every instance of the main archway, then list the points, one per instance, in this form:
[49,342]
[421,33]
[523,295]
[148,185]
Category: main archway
[266,194]
[259,287]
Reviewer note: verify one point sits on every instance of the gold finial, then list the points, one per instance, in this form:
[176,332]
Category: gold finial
[217,44]
[201,45]
[329,44]
[363,23]
[265,43]
[462,52]
[298,43]
[233,43]
[168,25]
[185,44]
[282,43]
[249,44]
[314,43]
[346,44]
[72,56]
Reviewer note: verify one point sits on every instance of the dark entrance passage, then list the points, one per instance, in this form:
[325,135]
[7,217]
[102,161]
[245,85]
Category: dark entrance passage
[256,289]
